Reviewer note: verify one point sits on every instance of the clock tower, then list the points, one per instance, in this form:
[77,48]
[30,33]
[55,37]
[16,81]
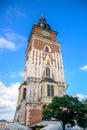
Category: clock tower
[43,75]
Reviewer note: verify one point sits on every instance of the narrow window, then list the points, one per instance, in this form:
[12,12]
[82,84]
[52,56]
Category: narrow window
[24,93]
[47,72]
[28,80]
[50,90]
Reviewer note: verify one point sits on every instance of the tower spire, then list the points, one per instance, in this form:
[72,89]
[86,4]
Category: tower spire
[43,23]
[42,15]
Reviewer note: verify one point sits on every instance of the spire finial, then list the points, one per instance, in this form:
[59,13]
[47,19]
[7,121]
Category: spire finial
[43,23]
[42,15]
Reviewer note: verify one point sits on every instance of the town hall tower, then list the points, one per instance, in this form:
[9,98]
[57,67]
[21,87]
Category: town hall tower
[43,74]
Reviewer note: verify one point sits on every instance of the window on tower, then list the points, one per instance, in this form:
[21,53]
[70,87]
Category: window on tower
[47,72]
[24,93]
[50,90]
[47,49]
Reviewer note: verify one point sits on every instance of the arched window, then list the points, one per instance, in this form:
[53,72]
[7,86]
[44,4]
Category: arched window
[47,49]
[47,72]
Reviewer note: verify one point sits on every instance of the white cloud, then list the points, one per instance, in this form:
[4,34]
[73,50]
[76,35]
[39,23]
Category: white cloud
[21,74]
[15,11]
[8,100]
[84,68]
[7,44]
[20,13]
[81,96]
[14,37]
[16,74]
[13,75]
[10,40]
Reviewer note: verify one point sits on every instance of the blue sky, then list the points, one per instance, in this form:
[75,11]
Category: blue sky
[67,17]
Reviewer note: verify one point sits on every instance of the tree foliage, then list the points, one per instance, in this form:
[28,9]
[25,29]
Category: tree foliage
[82,120]
[66,109]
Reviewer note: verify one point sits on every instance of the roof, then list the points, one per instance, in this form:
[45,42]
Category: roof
[45,123]
[54,125]
[15,126]
[48,79]
[43,23]
[24,83]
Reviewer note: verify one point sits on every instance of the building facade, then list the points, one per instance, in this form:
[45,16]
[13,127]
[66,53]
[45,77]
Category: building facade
[43,74]
[4,123]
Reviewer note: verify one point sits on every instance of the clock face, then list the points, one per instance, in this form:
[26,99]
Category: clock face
[45,33]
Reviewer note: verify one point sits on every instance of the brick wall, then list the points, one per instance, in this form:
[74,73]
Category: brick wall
[35,116]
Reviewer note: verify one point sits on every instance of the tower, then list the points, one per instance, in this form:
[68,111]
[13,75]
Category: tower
[43,74]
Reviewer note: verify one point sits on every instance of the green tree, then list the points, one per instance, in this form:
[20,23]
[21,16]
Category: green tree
[82,121]
[66,109]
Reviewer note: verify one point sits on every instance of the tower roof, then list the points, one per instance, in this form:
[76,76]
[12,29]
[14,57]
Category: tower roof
[43,23]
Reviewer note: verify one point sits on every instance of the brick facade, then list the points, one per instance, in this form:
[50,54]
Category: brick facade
[43,68]
[35,116]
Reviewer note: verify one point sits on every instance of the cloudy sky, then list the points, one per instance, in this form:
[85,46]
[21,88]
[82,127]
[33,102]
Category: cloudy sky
[68,17]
